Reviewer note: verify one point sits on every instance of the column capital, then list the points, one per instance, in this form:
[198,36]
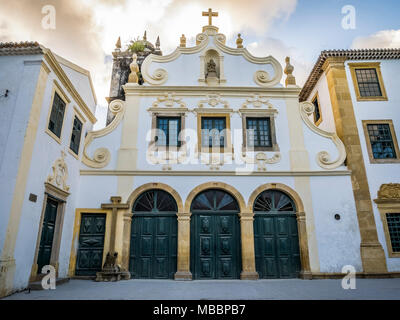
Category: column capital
[184,216]
[246,216]
[333,62]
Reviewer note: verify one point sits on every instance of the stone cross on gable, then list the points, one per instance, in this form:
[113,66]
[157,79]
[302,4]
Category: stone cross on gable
[210,14]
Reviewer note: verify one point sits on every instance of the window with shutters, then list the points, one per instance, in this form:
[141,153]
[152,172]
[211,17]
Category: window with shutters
[57,111]
[76,135]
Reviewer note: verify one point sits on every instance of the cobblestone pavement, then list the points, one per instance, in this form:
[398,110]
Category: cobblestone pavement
[293,289]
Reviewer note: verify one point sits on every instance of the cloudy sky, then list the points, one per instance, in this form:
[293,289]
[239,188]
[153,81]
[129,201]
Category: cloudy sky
[87,30]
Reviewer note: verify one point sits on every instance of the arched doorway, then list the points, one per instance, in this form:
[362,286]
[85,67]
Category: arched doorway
[153,250]
[215,236]
[276,238]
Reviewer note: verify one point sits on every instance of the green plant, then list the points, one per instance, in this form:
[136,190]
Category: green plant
[137,46]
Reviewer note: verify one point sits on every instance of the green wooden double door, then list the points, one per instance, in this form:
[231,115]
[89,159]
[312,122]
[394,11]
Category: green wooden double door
[276,240]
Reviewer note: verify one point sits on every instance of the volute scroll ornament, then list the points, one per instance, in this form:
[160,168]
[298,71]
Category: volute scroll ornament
[323,157]
[102,156]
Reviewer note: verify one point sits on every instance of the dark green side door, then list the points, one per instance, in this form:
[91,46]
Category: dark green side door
[91,244]
[215,236]
[47,237]
[153,250]
[276,238]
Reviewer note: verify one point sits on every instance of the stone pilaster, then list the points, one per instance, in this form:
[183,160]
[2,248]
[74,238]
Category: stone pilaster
[183,272]
[126,240]
[372,254]
[248,255]
[303,241]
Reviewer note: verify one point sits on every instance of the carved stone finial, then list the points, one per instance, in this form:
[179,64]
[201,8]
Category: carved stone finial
[145,36]
[290,79]
[158,42]
[239,41]
[118,44]
[133,76]
[183,41]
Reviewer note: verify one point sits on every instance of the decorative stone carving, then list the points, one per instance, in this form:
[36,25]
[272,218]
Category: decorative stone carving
[213,100]
[169,100]
[262,78]
[60,173]
[290,79]
[239,42]
[323,157]
[261,159]
[389,191]
[257,101]
[133,77]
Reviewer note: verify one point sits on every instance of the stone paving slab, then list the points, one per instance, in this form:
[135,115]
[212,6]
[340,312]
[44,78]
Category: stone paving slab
[293,289]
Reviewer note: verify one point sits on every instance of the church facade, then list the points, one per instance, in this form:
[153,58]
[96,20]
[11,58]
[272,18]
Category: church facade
[213,170]
[208,168]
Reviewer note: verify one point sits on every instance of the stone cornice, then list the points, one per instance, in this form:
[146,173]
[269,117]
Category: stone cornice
[360,54]
[222,90]
[213,173]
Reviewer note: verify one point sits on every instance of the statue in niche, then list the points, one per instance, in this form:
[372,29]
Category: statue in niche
[211,69]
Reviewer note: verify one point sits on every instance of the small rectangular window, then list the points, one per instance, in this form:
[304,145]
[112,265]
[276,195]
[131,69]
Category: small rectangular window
[258,132]
[76,136]
[57,115]
[168,131]
[393,221]
[381,141]
[368,82]
[213,132]
[317,111]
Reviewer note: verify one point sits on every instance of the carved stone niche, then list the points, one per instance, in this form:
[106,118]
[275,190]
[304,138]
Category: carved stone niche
[212,68]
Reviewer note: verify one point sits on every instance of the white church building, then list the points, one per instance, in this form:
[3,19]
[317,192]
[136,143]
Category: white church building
[209,167]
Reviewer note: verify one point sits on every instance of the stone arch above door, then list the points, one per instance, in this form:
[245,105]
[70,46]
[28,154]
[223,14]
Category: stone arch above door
[215,185]
[155,185]
[281,187]
[301,221]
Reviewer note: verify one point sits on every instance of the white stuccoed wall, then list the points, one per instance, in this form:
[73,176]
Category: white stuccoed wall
[46,152]
[21,80]
[379,174]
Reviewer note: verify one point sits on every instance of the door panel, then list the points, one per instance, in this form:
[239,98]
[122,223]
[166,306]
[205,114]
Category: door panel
[215,246]
[153,253]
[276,245]
[47,236]
[91,244]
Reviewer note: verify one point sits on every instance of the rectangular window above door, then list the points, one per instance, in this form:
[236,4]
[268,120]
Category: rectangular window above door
[258,132]
[168,131]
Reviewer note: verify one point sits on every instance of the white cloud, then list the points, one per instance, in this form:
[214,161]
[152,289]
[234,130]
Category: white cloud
[381,39]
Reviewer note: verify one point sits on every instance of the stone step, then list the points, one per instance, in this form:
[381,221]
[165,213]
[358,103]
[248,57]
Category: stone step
[37,285]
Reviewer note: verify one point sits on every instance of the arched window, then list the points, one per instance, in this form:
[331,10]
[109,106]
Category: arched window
[215,200]
[274,201]
[155,201]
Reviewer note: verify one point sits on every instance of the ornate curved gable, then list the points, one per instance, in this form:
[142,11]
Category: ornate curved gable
[211,63]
